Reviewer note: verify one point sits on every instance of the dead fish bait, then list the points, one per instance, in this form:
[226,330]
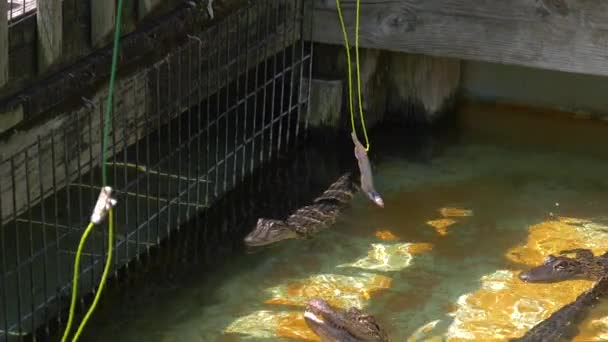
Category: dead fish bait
[367,180]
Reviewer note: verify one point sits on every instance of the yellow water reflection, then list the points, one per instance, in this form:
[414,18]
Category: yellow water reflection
[553,236]
[441,225]
[390,257]
[386,235]
[272,324]
[455,212]
[505,307]
[338,290]
[449,217]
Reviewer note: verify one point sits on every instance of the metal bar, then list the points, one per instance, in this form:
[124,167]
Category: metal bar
[227,104]
[158,147]
[92,194]
[255,92]
[283,52]
[309,70]
[4,273]
[246,89]
[125,203]
[199,122]
[189,130]
[31,231]
[208,111]
[17,249]
[265,75]
[147,171]
[137,187]
[56,212]
[44,245]
[134,194]
[170,140]
[217,107]
[237,75]
[179,134]
[292,74]
[115,172]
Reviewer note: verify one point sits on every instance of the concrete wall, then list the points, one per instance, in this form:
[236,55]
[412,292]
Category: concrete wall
[535,87]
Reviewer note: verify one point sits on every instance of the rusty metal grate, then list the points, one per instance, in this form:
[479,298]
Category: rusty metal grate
[184,132]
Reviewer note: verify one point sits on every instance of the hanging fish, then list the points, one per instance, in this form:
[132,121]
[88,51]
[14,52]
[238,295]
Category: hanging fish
[367,181]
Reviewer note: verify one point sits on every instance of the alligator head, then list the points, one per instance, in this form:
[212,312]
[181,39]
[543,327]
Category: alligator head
[268,231]
[554,269]
[334,325]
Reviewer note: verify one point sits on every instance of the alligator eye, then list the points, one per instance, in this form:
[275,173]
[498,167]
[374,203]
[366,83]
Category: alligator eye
[560,266]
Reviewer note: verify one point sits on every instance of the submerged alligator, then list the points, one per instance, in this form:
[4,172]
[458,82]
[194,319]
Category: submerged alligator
[334,325]
[307,220]
[584,265]
[562,325]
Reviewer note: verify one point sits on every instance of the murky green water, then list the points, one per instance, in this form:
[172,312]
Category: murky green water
[462,282]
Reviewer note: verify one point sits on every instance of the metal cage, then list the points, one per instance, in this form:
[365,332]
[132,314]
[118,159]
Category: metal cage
[184,132]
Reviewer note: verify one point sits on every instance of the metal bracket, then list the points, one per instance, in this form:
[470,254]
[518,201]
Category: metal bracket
[104,203]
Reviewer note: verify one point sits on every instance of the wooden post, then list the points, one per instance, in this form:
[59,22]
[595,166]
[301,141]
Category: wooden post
[421,88]
[49,20]
[3,44]
[146,6]
[102,21]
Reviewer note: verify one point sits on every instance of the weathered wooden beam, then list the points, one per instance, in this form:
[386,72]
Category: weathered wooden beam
[3,45]
[561,35]
[26,156]
[49,21]
[102,21]
[149,43]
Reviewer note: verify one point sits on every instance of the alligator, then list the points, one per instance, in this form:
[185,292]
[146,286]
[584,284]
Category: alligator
[307,220]
[335,325]
[562,325]
[584,265]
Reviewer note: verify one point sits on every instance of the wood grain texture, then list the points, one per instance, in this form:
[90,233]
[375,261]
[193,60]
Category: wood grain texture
[102,22]
[566,35]
[49,21]
[3,46]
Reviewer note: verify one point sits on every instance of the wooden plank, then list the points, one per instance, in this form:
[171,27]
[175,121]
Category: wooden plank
[49,21]
[564,35]
[136,97]
[3,46]
[102,21]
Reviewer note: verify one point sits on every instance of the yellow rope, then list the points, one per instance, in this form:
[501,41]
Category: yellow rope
[350,87]
[87,231]
[83,239]
[103,276]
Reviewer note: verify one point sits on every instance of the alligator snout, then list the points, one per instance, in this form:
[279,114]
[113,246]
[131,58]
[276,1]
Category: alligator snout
[524,276]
